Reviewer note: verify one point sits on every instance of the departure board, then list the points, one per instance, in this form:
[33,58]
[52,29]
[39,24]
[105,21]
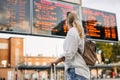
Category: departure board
[49,16]
[99,24]
[15,16]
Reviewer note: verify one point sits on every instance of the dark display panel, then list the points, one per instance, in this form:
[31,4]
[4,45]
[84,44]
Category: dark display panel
[49,16]
[15,16]
[99,24]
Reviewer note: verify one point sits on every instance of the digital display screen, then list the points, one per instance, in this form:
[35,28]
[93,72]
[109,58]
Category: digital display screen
[49,16]
[15,16]
[99,24]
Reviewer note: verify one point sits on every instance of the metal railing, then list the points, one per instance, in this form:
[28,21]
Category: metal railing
[60,74]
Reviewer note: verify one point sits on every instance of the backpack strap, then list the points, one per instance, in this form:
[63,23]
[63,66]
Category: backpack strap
[79,50]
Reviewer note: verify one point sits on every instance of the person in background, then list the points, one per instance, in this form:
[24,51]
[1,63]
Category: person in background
[61,28]
[75,66]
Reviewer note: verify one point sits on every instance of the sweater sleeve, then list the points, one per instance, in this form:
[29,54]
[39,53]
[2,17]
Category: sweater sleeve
[71,46]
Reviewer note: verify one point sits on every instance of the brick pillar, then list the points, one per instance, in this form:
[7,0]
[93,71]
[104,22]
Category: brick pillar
[16,51]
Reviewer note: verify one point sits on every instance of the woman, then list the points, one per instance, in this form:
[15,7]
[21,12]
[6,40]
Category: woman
[75,65]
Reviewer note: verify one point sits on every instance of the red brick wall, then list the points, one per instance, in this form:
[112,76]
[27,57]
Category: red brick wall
[4,73]
[4,50]
[41,60]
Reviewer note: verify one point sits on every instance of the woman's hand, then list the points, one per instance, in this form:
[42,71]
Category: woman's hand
[54,63]
[58,61]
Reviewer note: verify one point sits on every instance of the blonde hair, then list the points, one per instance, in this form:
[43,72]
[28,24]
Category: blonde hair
[73,21]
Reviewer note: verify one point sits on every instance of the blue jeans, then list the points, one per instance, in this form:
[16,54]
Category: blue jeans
[72,76]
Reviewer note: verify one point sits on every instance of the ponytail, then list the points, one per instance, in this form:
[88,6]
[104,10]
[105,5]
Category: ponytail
[74,22]
[77,25]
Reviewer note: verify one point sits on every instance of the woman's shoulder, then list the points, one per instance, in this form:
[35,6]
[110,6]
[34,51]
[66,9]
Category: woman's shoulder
[72,31]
